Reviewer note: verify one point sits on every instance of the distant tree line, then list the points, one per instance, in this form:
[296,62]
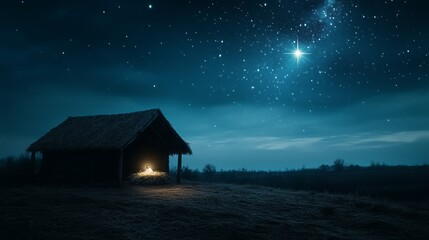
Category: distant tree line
[378,180]
[16,170]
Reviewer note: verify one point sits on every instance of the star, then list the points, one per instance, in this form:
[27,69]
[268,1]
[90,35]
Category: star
[298,53]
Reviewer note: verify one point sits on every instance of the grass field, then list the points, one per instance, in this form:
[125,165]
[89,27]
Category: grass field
[203,211]
[379,181]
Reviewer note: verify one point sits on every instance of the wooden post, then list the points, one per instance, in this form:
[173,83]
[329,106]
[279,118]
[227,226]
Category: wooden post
[33,162]
[120,163]
[167,163]
[179,168]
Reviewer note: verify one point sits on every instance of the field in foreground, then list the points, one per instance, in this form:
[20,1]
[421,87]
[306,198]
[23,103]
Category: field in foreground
[203,211]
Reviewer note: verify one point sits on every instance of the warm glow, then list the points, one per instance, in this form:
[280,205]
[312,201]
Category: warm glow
[149,172]
[148,169]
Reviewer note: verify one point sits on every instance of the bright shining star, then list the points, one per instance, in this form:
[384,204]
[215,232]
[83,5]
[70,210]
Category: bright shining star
[298,53]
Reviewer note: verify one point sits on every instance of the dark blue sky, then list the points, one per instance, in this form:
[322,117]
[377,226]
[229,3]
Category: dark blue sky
[224,74]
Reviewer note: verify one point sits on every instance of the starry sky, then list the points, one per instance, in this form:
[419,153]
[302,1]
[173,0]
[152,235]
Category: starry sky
[267,85]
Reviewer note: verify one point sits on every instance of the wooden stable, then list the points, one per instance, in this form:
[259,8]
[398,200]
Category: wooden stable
[109,147]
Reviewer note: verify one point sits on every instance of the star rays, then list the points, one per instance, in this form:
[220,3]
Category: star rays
[298,54]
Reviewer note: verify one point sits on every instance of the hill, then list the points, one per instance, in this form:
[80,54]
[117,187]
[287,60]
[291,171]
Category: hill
[203,211]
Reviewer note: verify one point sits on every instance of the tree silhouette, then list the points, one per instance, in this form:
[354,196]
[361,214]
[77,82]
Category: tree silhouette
[338,164]
[209,170]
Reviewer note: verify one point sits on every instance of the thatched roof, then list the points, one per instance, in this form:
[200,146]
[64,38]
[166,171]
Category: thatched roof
[108,132]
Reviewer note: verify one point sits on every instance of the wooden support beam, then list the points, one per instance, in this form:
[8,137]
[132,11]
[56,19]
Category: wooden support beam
[167,162]
[179,168]
[33,162]
[120,166]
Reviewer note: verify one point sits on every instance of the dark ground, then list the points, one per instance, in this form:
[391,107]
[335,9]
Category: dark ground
[203,211]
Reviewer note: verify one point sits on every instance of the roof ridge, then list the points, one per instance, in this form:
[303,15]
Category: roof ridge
[116,114]
[114,131]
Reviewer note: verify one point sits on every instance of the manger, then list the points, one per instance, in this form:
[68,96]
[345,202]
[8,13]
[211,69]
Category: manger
[149,177]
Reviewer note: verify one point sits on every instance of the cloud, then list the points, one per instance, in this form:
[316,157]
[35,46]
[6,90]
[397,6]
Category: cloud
[365,140]
[384,139]
[352,141]
[279,143]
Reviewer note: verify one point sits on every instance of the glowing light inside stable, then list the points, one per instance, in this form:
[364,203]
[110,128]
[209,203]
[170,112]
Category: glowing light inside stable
[148,176]
[148,169]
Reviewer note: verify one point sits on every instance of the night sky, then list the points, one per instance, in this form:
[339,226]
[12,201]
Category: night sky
[250,84]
